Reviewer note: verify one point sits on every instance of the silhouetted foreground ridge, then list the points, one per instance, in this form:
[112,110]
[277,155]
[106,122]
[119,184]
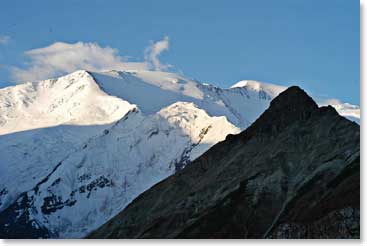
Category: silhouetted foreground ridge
[294,173]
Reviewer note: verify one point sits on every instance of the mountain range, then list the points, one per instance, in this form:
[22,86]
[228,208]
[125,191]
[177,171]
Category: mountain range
[76,150]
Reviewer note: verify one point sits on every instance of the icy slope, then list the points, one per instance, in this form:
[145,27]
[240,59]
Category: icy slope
[98,180]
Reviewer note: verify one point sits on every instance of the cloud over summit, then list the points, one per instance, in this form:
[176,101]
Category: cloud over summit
[60,58]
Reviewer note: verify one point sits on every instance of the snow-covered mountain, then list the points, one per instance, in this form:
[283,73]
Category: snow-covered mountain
[74,99]
[41,123]
[77,149]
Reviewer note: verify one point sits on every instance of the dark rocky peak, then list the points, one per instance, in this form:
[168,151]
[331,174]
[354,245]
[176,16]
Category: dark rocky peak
[293,100]
[291,106]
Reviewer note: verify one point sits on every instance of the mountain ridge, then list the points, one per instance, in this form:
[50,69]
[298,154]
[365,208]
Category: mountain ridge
[238,190]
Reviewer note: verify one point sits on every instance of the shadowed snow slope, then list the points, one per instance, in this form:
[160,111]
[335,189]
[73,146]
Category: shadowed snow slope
[100,178]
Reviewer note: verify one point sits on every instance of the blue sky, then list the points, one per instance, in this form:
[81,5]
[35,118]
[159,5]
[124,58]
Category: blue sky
[311,43]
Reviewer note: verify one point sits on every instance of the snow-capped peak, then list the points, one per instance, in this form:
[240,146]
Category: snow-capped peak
[74,99]
[271,89]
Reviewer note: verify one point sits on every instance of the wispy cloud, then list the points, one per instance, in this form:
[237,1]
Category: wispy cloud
[154,50]
[61,58]
[4,39]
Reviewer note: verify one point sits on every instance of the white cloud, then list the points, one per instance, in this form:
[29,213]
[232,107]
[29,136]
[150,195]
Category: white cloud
[4,39]
[61,58]
[153,51]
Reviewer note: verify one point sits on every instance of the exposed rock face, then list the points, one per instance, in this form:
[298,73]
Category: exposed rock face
[295,173]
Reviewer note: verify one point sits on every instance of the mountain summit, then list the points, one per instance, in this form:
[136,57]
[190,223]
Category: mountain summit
[291,105]
[294,173]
